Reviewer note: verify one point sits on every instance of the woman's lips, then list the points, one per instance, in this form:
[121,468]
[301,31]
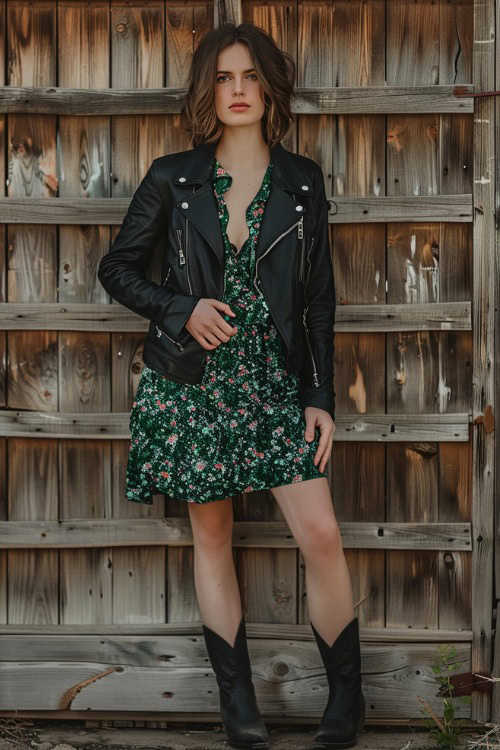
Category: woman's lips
[239,106]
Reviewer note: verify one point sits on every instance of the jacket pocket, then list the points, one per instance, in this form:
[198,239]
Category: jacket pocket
[173,366]
[190,351]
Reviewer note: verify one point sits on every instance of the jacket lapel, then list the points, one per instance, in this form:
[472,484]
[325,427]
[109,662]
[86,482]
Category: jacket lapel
[281,212]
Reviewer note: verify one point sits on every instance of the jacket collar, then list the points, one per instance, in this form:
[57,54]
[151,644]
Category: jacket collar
[283,210]
[286,173]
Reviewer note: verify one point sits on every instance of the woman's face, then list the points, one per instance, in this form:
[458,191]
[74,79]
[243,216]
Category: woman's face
[236,81]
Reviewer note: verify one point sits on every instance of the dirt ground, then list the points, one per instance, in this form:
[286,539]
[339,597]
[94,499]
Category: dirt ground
[41,734]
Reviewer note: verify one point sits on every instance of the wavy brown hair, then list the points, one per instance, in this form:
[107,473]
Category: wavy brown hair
[275,70]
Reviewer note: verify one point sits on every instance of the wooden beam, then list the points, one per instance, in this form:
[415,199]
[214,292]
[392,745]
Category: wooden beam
[54,100]
[386,428]
[77,316]
[484,274]
[419,316]
[169,673]
[392,740]
[343,209]
[170,531]
[262,630]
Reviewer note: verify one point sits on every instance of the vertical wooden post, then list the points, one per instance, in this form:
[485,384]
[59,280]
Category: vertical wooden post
[495,112]
[483,317]
[226,11]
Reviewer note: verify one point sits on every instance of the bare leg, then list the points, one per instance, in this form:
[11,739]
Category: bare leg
[216,584]
[308,510]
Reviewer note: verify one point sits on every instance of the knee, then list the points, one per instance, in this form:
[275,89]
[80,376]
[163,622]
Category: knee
[212,535]
[321,540]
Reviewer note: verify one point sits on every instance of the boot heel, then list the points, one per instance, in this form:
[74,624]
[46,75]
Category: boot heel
[240,715]
[344,715]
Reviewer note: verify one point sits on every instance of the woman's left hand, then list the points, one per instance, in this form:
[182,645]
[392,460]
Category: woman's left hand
[316,417]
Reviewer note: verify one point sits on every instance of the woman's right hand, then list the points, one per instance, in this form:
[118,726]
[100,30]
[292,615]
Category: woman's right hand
[207,326]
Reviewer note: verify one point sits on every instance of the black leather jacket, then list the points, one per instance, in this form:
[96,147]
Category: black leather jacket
[293,265]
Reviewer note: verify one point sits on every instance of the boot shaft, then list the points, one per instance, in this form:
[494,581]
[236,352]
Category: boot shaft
[342,660]
[230,663]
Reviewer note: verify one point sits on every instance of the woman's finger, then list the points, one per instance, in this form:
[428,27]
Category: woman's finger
[327,454]
[325,433]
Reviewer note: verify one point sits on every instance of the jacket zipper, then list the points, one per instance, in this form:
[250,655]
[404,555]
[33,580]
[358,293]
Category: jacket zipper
[159,331]
[300,236]
[182,257]
[256,267]
[182,260]
[308,256]
[315,371]
[268,249]
[187,243]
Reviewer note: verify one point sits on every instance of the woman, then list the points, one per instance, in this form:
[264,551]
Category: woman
[235,389]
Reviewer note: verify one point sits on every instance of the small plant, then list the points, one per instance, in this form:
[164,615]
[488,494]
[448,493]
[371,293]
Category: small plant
[445,730]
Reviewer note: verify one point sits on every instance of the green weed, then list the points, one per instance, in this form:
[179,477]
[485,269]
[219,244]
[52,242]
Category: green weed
[445,730]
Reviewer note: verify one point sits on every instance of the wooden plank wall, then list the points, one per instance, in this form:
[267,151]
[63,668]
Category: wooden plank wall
[408,166]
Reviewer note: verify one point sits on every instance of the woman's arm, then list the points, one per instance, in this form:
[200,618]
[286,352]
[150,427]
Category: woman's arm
[320,301]
[122,270]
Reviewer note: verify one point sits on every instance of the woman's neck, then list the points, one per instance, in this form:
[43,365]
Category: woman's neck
[242,151]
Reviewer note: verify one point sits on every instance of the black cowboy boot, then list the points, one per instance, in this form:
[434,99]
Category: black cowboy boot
[238,707]
[344,715]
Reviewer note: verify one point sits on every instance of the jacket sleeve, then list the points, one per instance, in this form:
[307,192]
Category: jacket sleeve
[122,271]
[316,376]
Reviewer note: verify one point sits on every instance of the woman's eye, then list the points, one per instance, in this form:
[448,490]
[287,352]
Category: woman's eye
[219,79]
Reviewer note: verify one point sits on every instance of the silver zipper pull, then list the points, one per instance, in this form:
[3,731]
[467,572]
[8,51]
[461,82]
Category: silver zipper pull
[300,228]
[159,333]
[182,258]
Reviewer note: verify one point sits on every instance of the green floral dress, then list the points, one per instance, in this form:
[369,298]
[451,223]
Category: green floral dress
[242,428]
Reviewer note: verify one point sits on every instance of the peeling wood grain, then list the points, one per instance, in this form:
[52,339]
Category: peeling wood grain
[70,694]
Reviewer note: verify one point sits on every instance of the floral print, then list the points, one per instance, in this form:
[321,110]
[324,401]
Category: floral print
[242,428]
